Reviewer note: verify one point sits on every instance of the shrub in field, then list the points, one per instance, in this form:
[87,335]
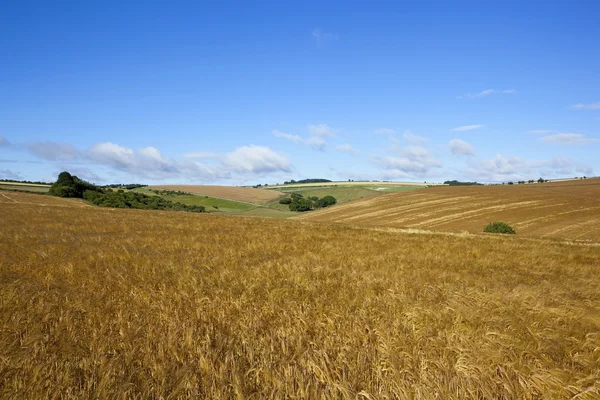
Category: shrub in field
[137,200]
[327,201]
[499,227]
[286,200]
[301,204]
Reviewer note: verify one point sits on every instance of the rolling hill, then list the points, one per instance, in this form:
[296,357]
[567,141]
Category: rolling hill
[567,209]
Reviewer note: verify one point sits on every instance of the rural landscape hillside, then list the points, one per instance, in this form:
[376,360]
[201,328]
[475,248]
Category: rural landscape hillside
[300,200]
[115,303]
[565,209]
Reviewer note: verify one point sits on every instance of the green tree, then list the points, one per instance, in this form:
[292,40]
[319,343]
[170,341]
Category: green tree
[301,204]
[327,201]
[499,227]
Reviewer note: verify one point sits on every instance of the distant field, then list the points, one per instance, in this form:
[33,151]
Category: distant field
[346,193]
[29,187]
[100,303]
[219,205]
[247,194]
[359,183]
[568,209]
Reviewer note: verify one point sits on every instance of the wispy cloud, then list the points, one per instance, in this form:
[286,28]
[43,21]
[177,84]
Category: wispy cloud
[459,147]
[413,139]
[8,174]
[149,163]
[569,139]
[590,106]
[3,141]
[486,92]
[506,168]
[322,38]
[466,128]
[346,148]
[315,142]
[322,130]
[411,161]
[288,136]
[52,151]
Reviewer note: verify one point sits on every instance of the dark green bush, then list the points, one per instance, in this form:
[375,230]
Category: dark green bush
[300,204]
[327,201]
[70,186]
[499,227]
[286,200]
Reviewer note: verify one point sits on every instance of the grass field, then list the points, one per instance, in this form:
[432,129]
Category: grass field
[569,210]
[113,303]
[246,194]
[220,205]
[27,187]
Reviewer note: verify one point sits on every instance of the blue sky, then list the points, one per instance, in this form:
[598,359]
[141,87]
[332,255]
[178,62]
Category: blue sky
[240,93]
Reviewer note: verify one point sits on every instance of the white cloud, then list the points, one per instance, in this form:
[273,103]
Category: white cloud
[413,139]
[459,147]
[323,38]
[412,161]
[466,128]
[485,93]
[256,159]
[346,148]
[315,142]
[52,151]
[590,106]
[384,131]
[573,139]
[150,163]
[321,130]
[288,136]
[111,154]
[502,168]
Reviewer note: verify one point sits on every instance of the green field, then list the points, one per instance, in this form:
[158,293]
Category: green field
[23,187]
[217,205]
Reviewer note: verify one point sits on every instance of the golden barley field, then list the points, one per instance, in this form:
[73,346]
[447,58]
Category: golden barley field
[568,209]
[129,304]
[246,194]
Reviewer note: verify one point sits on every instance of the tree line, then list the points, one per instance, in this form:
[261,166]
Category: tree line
[297,202]
[68,185]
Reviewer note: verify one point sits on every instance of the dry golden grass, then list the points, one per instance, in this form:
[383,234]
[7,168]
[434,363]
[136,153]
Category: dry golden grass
[100,303]
[246,194]
[568,210]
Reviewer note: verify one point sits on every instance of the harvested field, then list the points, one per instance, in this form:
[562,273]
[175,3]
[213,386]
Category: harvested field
[353,183]
[247,194]
[114,303]
[26,187]
[567,209]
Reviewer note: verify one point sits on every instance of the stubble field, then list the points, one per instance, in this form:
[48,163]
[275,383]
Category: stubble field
[103,303]
[568,210]
[246,194]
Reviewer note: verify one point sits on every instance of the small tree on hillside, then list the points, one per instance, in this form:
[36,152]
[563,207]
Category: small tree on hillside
[499,227]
